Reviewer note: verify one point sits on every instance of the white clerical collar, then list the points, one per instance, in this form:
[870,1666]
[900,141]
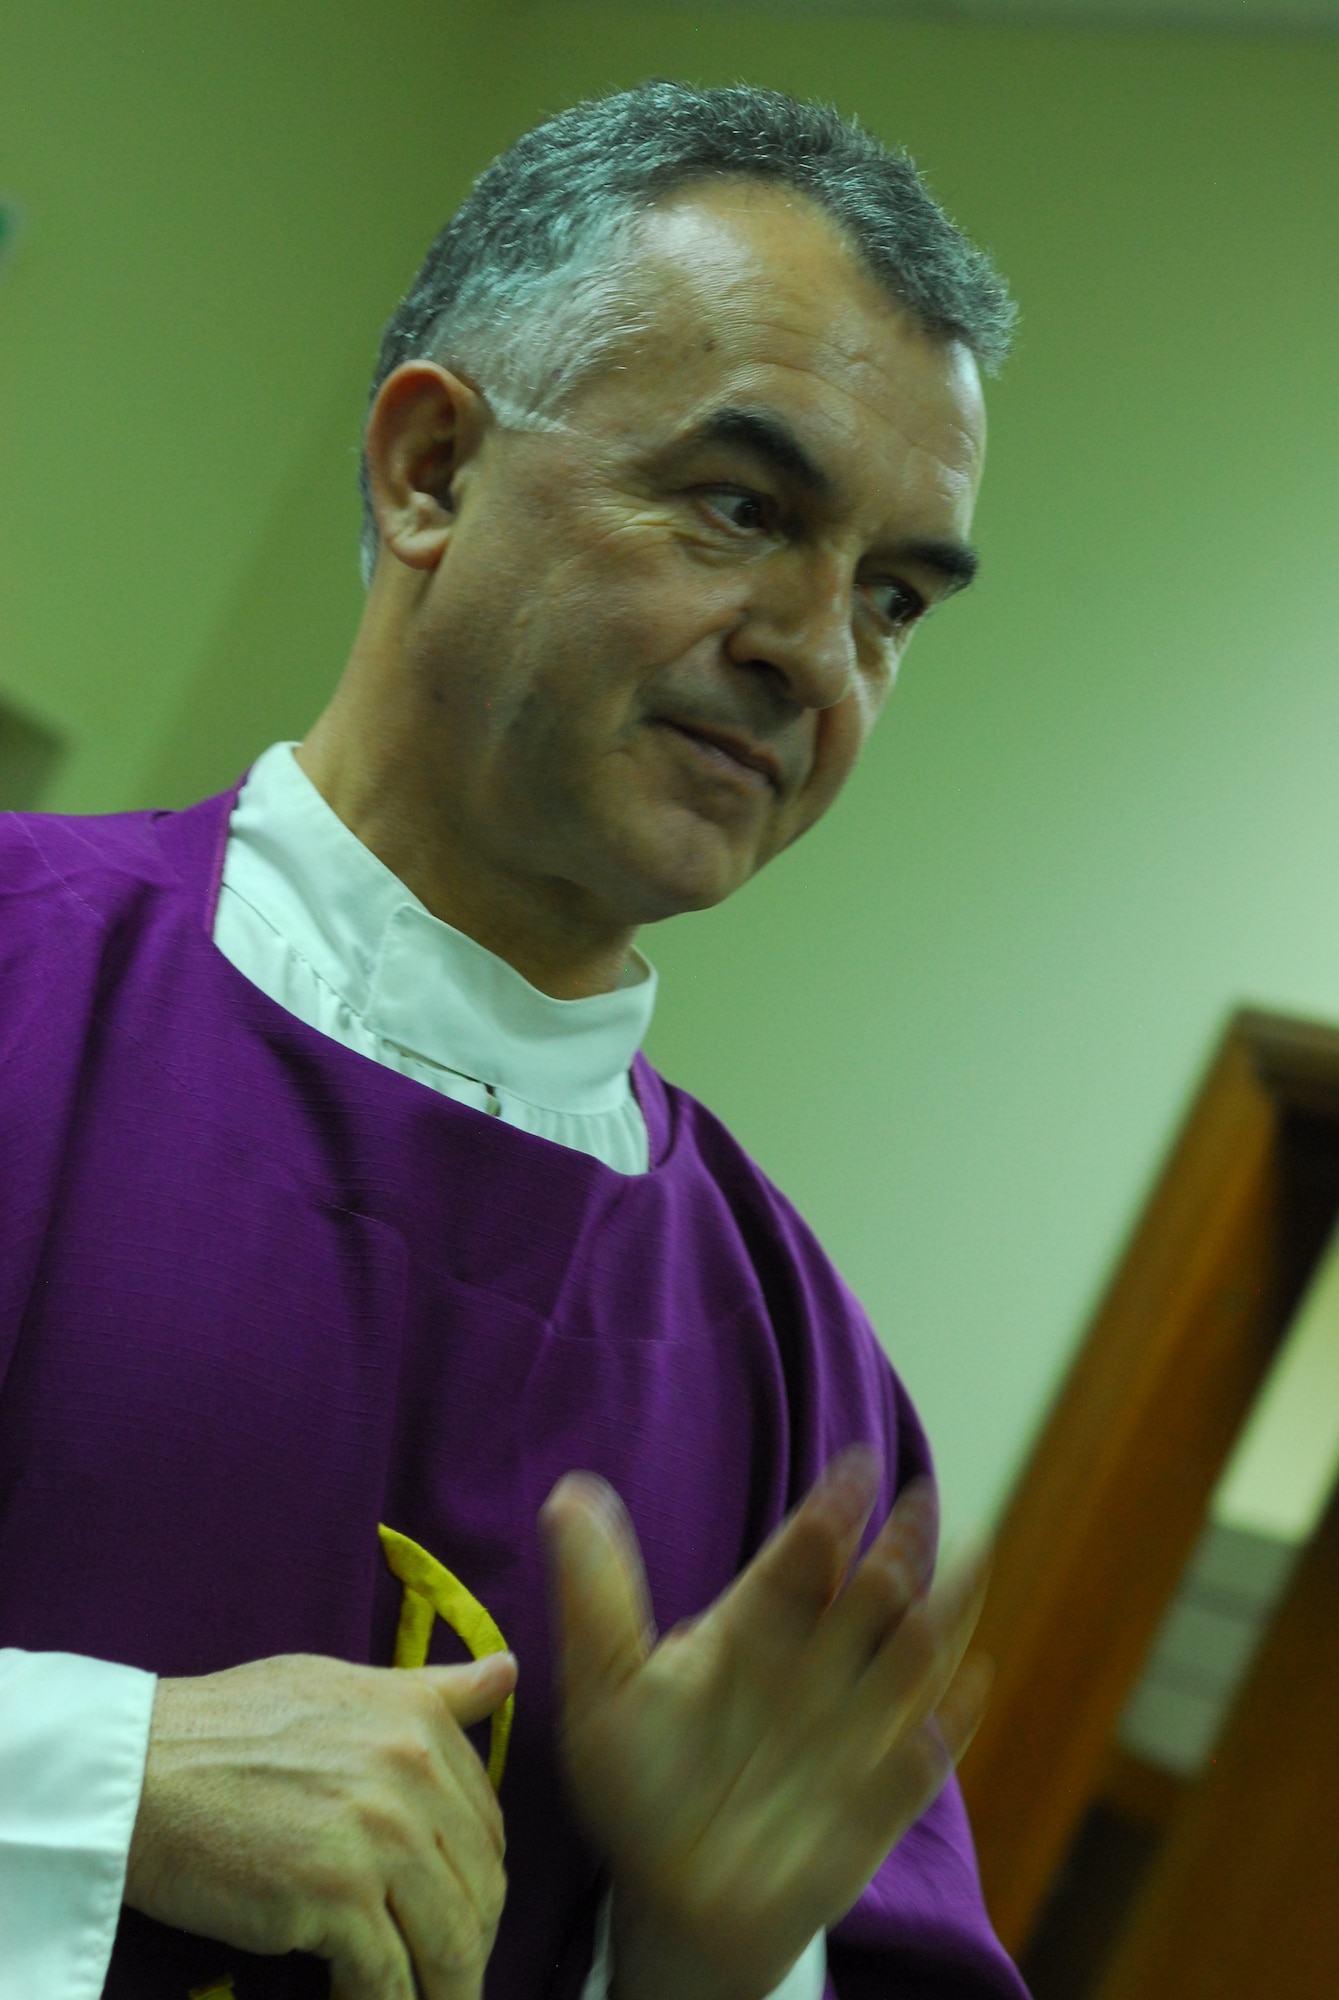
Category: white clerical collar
[415,980]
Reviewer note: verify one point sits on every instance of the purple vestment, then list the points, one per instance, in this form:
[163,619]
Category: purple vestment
[259,1294]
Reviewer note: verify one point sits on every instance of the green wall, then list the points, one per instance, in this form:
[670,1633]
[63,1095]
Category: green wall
[222,203]
[960,1021]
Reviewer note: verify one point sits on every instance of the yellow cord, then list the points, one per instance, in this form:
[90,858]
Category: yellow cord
[431,1591]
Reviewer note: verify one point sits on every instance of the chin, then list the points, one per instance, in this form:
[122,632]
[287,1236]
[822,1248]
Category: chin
[671,869]
[703,890]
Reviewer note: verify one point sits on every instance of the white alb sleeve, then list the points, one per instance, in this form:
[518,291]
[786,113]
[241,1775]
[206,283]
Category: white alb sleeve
[806,1980]
[74,1735]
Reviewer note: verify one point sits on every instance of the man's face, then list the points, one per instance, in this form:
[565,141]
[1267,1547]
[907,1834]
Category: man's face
[733,535]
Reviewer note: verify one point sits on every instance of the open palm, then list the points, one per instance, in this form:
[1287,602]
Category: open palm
[746,1776]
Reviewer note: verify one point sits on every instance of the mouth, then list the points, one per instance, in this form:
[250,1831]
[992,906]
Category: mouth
[733,756]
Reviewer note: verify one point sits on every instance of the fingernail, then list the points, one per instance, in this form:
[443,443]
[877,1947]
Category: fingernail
[493,1664]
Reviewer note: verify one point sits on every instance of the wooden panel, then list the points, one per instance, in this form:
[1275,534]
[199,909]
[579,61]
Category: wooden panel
[1105,1516]
[1244,1899]
[1086,1913]
[1297,1061]
[1141,1793]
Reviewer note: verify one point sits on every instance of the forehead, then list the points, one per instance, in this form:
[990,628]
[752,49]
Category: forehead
[748,295]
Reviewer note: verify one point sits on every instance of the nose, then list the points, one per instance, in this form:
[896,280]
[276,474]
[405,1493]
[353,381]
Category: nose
[798,624]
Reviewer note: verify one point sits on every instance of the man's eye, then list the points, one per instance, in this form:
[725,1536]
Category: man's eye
[897,604]
[741,509]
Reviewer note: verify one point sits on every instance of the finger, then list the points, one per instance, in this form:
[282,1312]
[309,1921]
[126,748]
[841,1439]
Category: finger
[914,1667]
[446,1900]
[472,1693]
[370,1964]
[603,1605]
[463,1776]
[798,1572]
[462,1696]
[892,1576]
[909,1536]
[960,1712]
[918,1765]
[479,1876]
[892,1579]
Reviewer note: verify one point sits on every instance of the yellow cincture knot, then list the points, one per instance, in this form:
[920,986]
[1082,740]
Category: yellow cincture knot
[431,1591]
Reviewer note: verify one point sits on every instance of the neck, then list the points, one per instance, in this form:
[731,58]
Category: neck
[538,925]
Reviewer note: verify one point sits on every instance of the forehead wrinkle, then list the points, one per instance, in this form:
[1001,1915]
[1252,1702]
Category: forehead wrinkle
[872,378]
[860,372]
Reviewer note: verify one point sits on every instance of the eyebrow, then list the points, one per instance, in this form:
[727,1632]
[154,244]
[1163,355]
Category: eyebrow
[770,439]
[956,562]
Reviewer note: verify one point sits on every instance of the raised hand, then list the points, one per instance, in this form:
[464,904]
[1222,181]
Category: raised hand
[746,1776]
[301,1803]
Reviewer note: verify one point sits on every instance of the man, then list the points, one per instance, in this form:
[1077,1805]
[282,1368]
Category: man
[328,1269]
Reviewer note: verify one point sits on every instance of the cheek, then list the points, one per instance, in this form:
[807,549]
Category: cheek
[629,637]
[839,737]
[839,734]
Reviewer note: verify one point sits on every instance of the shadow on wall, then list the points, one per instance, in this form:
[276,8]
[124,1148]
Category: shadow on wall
[283,642]
[29,756]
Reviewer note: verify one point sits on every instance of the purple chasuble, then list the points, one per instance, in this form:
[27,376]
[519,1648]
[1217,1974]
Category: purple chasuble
[259,1294]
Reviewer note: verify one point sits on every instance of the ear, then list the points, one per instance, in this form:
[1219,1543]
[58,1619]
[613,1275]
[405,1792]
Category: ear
[424,427]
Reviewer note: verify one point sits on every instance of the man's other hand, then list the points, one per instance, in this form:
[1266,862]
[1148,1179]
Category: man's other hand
[301,1803]
[747,1776]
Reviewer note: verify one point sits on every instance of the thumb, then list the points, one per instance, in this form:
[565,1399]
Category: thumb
[605,1627]
[472,1692]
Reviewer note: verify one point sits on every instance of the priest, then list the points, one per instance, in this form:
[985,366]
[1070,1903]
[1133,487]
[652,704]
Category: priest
[458,1532]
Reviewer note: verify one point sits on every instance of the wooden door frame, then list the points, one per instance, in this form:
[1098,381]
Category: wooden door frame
[1109,1506]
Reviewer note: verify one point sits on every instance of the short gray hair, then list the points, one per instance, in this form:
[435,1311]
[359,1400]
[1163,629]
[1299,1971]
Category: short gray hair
[525,289]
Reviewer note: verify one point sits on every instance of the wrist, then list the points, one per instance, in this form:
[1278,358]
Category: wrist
[657,1954]
[652,1958]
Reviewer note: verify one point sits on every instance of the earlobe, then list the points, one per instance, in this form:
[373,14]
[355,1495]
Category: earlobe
[422,427]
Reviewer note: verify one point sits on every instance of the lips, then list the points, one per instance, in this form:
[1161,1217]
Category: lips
[751,755]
